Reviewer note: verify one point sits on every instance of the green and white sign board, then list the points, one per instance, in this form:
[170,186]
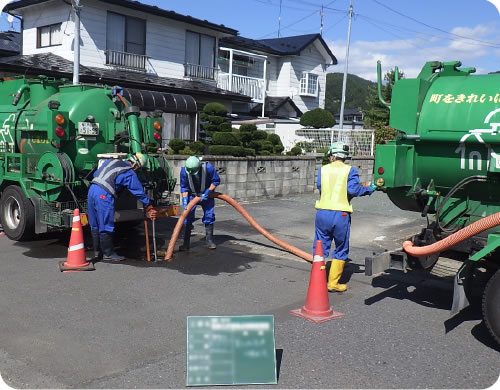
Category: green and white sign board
[230,350]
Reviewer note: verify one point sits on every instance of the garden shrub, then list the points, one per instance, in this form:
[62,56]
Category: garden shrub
[317,118]
[215,109]
[259,135]
[274,139]
[221,138]
[247,127]
[197,147]
[278,149]
[177,144]
[295,151]
[228,150]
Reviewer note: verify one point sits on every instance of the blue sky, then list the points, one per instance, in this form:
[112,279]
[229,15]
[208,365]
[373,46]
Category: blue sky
[406,33]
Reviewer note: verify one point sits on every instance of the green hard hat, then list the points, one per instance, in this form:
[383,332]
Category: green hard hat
[192,165]
[339,149]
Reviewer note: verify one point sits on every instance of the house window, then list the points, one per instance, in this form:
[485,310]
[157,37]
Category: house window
[49,35]
[125,34]
[309,84]
[200,55]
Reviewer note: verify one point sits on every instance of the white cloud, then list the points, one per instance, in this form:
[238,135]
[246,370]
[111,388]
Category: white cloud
[411,54]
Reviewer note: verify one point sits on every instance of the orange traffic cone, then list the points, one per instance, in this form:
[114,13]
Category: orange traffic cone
[76,252]
[317,307]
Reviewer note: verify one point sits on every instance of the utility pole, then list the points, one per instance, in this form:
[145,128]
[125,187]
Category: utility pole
[321,26]
[344,81]
[279,20]
[76,43]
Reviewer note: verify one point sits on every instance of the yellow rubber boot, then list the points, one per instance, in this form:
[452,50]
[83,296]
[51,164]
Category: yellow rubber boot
[336,269]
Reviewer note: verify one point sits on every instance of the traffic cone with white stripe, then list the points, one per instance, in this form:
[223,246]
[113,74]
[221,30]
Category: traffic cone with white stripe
[76,252]
[317,307]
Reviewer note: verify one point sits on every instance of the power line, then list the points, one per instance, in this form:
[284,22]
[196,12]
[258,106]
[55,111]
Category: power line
[367,18]
[432,27]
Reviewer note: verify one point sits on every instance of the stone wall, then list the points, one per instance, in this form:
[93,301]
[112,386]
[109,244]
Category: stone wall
[267,177]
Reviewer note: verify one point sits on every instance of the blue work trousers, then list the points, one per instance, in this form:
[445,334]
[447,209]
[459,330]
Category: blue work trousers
[208,207]
[336,226]
[101,209]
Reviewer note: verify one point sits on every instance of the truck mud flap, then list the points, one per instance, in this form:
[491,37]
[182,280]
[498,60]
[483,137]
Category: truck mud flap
[395,259]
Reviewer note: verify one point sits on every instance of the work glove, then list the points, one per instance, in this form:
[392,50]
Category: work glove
[185,202]
[151,212]
[205,194]
[373,186]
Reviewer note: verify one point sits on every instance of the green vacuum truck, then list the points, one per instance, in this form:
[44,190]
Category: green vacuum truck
[53,135]
[445,164]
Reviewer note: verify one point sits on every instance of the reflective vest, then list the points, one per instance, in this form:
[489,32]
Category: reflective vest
[107,175]
[193,184]
[334,187]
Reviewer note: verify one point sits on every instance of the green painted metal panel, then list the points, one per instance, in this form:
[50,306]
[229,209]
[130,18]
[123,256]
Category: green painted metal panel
[230,350]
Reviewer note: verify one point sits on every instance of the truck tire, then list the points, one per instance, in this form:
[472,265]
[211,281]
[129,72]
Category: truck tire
[491,307]
[17,214]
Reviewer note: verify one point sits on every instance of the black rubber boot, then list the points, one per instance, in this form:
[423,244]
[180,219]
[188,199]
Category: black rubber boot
[96,245]
[107,248]
[187,238]
[209,230]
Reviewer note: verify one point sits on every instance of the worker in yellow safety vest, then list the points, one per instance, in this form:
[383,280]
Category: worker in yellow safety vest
[338,183]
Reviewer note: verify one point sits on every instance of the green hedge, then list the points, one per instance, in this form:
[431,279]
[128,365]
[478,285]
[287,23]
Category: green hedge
[227,150]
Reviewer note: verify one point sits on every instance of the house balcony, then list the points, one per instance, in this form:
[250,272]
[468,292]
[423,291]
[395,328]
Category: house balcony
[244,85]
[126,60]
[200,72]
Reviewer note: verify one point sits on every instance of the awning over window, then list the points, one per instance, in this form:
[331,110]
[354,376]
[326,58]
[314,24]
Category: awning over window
[167,102]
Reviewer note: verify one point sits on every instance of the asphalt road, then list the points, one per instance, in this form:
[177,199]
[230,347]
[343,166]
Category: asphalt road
[124,324]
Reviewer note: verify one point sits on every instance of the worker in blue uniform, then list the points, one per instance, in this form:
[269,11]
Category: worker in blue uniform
[113,176]
[198,179]
[338,183]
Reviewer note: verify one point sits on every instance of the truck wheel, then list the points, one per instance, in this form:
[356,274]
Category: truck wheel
[17,214]
[491,308]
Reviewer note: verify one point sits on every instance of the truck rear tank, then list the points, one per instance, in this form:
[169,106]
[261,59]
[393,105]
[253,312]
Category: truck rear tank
[445,161]
[53,135]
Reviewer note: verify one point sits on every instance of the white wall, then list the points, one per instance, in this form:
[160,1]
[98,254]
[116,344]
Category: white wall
[284,75]
[165,38]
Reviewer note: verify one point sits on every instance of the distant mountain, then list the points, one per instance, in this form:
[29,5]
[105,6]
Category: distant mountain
[356,92]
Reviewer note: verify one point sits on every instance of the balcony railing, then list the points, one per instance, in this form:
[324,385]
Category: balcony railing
[249,86]
[200,72]
[126,60]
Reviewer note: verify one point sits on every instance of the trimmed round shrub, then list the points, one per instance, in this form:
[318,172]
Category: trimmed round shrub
[256,144]
[197,147]
[245,137]
[247,127]
[317,118]
[259,135]
[187,151]
[177,144]
[266,145]
[278,149]
[215,109]
[274,139]
[221,138]
[213,119]
[226,126]
[295,151]
[264,153]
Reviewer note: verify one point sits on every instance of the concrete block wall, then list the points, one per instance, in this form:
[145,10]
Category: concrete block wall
[261,177]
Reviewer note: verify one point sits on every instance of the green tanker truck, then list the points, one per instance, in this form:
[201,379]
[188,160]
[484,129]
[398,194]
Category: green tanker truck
[445,161]
[53,135]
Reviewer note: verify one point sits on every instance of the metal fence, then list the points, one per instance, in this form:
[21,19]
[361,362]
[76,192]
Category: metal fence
[361,142]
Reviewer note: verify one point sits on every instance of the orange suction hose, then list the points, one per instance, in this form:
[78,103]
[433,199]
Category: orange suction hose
[463,234]
[290,248]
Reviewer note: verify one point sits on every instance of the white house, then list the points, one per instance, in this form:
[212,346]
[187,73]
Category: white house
[135,45]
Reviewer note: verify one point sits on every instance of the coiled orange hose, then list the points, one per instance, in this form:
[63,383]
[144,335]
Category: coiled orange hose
[169,254]
[463,234]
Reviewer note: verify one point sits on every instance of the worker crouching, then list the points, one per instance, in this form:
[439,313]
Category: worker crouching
[198,179]
[338,183]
